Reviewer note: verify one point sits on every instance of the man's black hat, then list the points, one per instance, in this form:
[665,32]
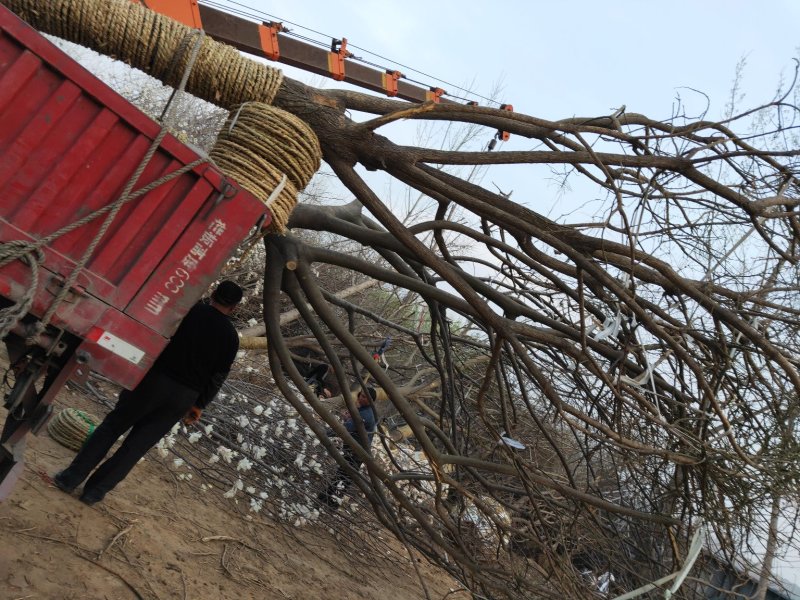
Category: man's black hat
[227,293]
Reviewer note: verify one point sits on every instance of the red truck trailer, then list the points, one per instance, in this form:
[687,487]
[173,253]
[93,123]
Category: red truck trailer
[68,146]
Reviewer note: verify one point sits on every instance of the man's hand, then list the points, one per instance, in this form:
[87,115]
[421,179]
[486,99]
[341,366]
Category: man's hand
[193,416]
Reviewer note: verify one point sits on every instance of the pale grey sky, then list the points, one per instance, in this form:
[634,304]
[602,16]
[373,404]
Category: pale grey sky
[561,58]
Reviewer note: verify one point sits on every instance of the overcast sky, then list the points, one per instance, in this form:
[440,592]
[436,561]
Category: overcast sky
[559,58]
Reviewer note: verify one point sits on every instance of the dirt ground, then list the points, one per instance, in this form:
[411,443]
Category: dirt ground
[154,538]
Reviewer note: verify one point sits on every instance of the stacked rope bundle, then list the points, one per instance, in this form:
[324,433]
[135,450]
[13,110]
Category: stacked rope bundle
[257,145]
[72,427]
[154,44]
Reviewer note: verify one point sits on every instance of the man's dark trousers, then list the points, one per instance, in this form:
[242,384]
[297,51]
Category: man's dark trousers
[149,411]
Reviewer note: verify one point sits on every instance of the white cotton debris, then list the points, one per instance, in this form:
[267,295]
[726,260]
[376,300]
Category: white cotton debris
[208,429]
[237,486]
[243,421]
[175,428]
[244,465]
[255,505]
[177,462]
[259,452]
[299,460]
[250,489]
[163,452]
[263,495]
[252,322]
[194,437]
[239,438]
[292,423]
[213,458]
[258,409]
[226,453]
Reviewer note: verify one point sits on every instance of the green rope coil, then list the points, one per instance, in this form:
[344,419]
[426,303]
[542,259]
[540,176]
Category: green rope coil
[72,427]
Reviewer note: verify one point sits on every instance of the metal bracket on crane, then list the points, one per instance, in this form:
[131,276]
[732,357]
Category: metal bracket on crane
[504,135]
[389,79]
[183,11]
[336,58]
[268,34]
[434,94]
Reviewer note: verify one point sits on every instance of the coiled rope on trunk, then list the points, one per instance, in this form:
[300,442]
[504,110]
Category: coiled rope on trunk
[257,145]
[149,41]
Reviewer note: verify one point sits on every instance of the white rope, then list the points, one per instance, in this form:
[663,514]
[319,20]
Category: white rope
[276,192]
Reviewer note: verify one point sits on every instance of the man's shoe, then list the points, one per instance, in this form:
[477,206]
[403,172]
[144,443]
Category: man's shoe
[61,483]
[89,497]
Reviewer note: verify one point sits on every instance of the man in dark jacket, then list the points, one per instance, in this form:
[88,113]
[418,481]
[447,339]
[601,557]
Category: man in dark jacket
[182,382]
[342,479]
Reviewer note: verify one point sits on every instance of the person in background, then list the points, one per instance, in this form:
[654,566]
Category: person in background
[341,480]
[181,383]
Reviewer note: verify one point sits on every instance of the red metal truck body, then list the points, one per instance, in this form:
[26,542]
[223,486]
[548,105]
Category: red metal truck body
[68,146]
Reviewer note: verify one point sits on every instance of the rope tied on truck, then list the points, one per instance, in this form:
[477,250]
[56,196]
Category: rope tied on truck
[265,143]
[266,150]
[31,256]
[23,250]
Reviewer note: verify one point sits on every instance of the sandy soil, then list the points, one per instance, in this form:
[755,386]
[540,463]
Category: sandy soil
[155,538]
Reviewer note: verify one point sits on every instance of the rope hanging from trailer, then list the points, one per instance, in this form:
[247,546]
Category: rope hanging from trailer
[268,151]
[31,253]
[266,143]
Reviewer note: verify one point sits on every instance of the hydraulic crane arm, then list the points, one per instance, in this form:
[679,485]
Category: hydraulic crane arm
[267,40]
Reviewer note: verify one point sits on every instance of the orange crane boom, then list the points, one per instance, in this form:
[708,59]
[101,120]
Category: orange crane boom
[268,40]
